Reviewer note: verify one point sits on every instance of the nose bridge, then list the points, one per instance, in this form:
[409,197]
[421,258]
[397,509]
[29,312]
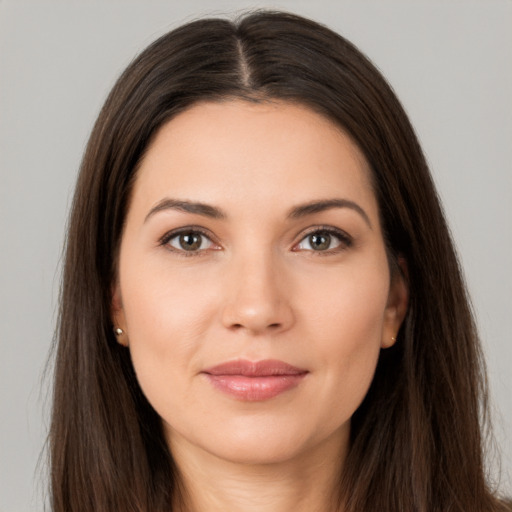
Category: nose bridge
[257,297]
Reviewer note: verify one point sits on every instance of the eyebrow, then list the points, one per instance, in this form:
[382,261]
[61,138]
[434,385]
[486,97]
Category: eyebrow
[296,212]
[327,204]
[187,206]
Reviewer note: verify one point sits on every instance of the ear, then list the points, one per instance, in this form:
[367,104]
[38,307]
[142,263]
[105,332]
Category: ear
[117,315]
[396,308]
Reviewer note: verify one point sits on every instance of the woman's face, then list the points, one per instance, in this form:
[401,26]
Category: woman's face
[253,288]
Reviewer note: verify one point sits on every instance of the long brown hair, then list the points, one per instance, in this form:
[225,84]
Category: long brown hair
[416,440]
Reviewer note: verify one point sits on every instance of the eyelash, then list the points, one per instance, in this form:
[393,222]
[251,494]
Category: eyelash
[345,240]
[189,230]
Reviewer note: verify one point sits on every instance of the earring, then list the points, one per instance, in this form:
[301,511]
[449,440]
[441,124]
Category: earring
[118,331]
[393,339]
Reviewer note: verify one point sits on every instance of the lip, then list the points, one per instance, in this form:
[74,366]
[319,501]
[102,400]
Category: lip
[254,381]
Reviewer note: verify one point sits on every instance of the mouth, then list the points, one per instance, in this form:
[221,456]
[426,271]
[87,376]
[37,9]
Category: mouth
[254,381]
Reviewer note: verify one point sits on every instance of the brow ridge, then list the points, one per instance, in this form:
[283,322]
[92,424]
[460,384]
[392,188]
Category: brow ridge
[296,212]
[327,204]
[188,207]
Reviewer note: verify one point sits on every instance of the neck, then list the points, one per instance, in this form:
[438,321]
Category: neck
[308,483]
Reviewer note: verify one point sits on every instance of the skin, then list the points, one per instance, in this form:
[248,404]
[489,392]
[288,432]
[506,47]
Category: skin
[257,288]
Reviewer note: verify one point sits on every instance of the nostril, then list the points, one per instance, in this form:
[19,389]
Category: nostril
[238,326]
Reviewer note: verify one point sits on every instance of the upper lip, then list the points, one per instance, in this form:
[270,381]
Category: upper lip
[265,368]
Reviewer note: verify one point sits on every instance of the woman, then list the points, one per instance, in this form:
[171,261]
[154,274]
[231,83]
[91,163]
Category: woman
[261,306]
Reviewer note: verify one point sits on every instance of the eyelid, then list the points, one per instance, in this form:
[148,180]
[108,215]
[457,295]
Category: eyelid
[169,235]
[345,239]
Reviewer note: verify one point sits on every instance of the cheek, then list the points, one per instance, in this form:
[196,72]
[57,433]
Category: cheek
[347,304]
[163,304]
[166,320]
[345,323]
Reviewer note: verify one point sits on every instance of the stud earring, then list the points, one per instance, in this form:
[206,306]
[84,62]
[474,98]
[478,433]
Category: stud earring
[393,339]
[118,331]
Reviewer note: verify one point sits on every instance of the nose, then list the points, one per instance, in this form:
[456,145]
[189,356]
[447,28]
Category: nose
[257,297]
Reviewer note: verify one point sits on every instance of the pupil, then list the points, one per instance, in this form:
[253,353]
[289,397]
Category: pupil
[320,242]
[190,241]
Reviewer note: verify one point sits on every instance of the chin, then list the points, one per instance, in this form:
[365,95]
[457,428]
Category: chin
[259,451]
[271,441]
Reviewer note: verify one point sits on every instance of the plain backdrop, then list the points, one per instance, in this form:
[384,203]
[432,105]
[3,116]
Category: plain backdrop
[450,62]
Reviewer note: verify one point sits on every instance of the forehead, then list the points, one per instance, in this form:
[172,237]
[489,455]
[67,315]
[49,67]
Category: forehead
[252,153]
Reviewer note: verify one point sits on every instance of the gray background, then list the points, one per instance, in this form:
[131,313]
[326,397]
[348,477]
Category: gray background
[449,61]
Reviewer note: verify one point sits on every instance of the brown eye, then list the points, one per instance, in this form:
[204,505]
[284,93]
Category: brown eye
[324,240]
[320,241]
[190,241]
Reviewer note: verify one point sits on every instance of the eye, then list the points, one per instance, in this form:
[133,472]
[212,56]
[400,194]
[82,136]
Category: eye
[190,241]
[324,240]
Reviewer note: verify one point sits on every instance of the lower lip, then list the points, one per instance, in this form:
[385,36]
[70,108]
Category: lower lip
[255,389]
